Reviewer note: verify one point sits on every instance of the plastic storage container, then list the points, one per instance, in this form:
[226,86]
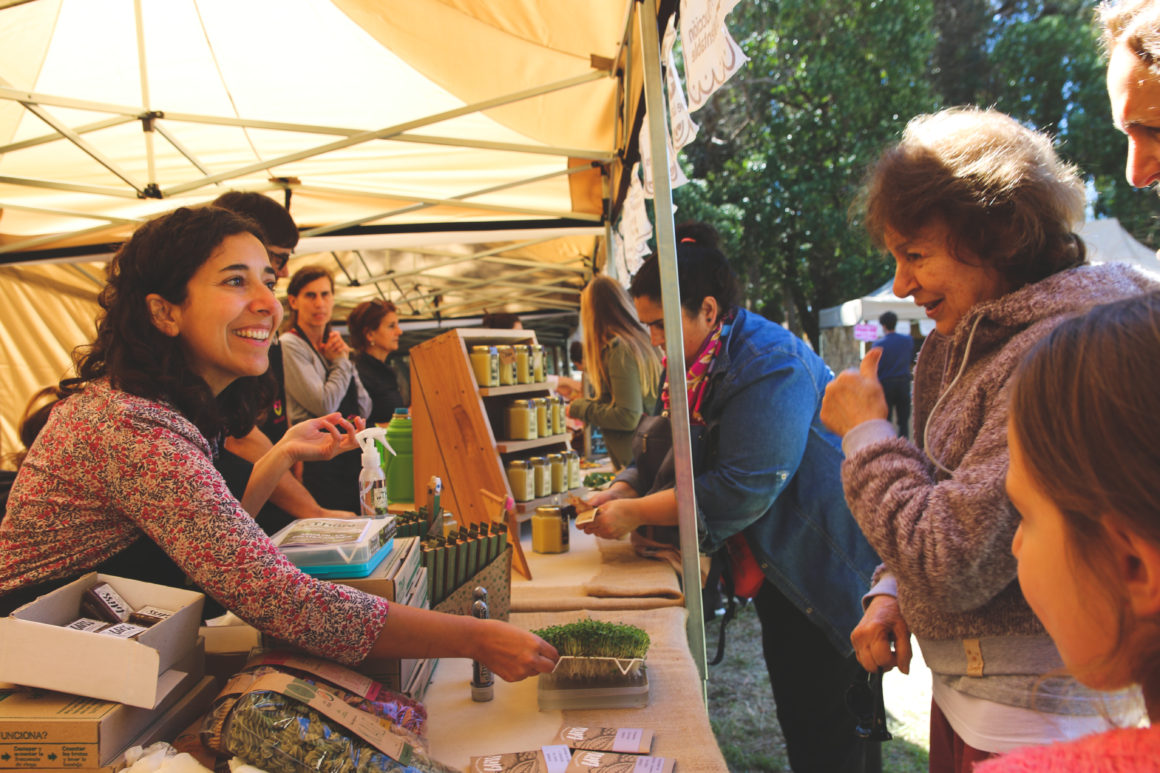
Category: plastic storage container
[400,468]
[337,547]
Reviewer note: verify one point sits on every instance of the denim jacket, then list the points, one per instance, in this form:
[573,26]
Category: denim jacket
[770,469]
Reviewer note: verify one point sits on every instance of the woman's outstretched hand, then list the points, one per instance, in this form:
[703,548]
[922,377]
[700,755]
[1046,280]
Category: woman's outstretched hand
[322,438]
[855,396]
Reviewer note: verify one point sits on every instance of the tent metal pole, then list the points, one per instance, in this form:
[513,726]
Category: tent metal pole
[25,244]
[160,129]
[544,150]
[44,139]
[70,213]
[143,73]
[654,90]
[100,190]
[457,259]
[81,143]
[364,137]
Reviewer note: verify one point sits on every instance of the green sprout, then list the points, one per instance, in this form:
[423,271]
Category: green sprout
[596,639]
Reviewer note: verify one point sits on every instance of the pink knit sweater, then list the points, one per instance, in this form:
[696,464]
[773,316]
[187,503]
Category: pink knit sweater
[1127,750]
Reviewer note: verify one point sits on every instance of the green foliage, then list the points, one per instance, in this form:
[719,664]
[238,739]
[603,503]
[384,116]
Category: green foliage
[596,639]
[785,145]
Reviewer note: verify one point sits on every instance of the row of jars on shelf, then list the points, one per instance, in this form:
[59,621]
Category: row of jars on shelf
[541,476]
[534,417]
[508,365]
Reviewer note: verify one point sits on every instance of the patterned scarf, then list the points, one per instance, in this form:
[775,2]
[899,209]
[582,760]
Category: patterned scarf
[695,381]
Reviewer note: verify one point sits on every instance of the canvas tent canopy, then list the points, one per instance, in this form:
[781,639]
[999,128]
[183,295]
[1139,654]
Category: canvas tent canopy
[454,156]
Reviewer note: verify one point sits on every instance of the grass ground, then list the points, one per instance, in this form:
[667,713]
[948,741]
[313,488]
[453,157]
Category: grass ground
[743,717]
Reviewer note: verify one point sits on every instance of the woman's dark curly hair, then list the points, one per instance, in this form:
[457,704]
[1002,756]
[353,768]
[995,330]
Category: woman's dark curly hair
[160,258]
[702,271]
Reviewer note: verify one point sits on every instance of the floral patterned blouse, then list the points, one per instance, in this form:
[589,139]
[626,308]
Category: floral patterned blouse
[109,466]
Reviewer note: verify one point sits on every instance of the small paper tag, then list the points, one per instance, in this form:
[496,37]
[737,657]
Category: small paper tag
[624,740]
[607,762]
[556,758]
[86,624]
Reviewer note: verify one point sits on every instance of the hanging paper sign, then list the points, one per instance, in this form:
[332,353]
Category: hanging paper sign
[635,227]
[711,54]
[866,331]
[681,126]
[676,174]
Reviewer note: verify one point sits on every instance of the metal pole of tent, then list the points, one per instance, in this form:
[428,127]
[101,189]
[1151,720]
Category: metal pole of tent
[671,302]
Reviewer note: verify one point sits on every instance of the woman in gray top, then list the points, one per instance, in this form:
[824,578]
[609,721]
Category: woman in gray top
[321,379]
[978,212]
[623,367]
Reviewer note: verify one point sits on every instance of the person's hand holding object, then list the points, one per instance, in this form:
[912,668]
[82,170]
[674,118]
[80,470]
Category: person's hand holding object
[882,639]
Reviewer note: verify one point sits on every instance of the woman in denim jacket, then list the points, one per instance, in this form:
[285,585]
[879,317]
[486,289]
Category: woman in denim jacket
[767,469]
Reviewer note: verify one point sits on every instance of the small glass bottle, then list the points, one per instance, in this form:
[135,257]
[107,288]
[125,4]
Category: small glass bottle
[558,472]
[520,420]
[573,469]
[543,416]
[521,479]
[507,365]
[523,364]
[559,413]
[485,364]
[537,351]
[541,476]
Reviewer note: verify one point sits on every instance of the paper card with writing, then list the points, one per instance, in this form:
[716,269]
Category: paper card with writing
[607,762]
[711,54]
[624,740]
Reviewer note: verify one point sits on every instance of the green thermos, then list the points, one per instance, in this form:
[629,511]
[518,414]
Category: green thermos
[400,468]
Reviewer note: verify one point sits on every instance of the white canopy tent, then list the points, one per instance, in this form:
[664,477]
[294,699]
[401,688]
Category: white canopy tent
[501,118]
[454,156]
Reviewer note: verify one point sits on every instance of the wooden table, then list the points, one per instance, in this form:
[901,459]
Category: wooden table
[460,728]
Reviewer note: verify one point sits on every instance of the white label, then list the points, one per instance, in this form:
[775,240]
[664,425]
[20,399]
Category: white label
[649,765]
[557,758]
[123,630]
[627,740]
[86,624]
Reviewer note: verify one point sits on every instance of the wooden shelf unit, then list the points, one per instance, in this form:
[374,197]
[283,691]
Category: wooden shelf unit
[454,423]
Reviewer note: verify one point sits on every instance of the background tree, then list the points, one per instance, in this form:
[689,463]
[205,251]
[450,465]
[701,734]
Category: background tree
[784,147]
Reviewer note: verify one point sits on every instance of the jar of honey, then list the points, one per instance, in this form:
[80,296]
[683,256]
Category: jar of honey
[520,420]
[485,365]
[549,530]
[523,364]
[507,365]
[521,479]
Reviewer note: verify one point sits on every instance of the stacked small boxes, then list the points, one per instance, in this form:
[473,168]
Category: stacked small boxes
[119,683]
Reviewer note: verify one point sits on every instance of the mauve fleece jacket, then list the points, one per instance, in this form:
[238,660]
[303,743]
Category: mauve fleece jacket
[1127,750]
[946,538]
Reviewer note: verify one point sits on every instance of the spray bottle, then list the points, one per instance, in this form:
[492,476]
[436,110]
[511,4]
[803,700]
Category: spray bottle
[372,484]
[482,683]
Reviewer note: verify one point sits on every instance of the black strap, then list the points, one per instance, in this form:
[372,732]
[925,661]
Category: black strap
[721,557]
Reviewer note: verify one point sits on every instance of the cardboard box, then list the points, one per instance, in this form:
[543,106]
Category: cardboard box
[42,729]
[35,649]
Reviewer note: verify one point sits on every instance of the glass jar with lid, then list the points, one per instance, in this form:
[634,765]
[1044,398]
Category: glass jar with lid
[537,355]
[573,459]
[520,420]
[558,471]
[507,365]
[521,479]
[549,530]
[523,364]
[485,364]
[559,414]
[543,416]
[541,476]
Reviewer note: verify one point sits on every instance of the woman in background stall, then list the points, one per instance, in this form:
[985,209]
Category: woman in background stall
[374,334]
[121,479]
[321,379]
[624,370]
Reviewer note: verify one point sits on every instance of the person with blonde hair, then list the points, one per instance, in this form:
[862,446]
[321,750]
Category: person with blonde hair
[622,366]
[978,213]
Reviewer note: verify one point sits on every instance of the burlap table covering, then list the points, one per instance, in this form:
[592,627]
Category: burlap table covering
[459,729]
[596,574]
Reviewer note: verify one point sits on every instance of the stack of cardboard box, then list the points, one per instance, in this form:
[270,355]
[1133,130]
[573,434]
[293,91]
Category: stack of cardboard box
[76,700]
